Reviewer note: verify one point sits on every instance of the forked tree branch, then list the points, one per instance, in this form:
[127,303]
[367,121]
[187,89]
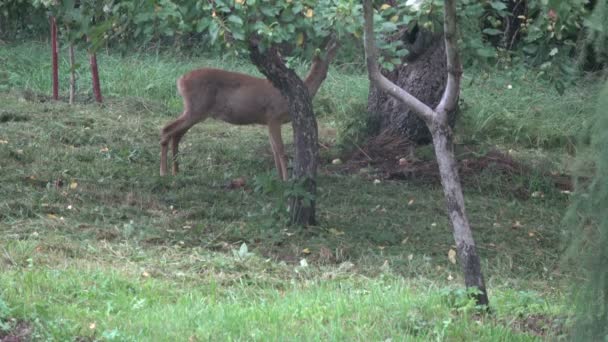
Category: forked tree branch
[371,58]
[449,100]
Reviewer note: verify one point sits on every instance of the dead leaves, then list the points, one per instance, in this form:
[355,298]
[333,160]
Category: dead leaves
[336,232]
[237,183]
[452,256]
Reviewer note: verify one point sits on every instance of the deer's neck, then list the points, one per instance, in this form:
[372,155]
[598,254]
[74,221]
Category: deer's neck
[316,76]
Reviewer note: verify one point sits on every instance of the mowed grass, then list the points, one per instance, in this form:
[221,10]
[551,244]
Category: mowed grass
[96,245]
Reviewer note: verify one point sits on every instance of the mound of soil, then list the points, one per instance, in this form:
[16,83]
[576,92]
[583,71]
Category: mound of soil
[539,325]
[21,331]
[392,158]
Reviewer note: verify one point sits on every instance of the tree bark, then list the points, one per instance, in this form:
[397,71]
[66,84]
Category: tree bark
[72,75]
[269,62]
[450,181]
[512,23]
[423,73]
[54,57]
[95,77]
[437,122]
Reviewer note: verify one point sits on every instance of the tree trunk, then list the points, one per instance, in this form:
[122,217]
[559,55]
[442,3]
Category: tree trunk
[95,77]
[72,75]
[465,245]
[423,74]
[512,23]
[54,57]
[270,64]
[437,121]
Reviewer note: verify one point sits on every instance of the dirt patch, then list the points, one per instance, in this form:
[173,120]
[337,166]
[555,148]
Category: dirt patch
[539,325]
[8,116]
[388,157]
[20,331]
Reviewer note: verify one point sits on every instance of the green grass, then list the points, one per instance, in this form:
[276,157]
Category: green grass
[91,233]
[516,108]
[152,77]
[530,114]
[246,305]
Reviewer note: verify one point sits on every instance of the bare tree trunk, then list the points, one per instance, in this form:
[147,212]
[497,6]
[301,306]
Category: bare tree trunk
[72,75]
[269,62]
[450,181]
[95,77]
[54,57]
[437,122]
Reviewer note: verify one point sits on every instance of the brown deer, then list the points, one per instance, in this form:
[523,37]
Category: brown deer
[237,99]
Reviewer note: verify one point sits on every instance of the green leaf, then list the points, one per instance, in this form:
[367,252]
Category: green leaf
[492,32]
[268,11]
[530,49]
[498,5]
[297,8]
[402,52]
[389,26]
[388,66]
[287,16]
[243,252]
[235,19]
[202,25]
[486,52]
[214,31]
[238,35]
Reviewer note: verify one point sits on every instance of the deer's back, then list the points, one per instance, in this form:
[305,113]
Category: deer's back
[232,97]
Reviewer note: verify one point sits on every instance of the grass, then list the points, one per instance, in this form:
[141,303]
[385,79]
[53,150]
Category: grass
[111,305]
[152,77]
[520,110]
[95,245]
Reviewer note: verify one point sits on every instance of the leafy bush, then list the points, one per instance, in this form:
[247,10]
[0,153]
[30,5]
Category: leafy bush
[589,221]
[20,19]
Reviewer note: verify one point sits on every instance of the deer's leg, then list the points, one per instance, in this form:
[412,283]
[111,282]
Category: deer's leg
[275,157]
[175,150]
[163,159]
[165,136]
[278,151]
[175,129]
[173,132]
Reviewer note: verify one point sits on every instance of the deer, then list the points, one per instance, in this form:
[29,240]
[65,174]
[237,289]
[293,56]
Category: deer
[238,99]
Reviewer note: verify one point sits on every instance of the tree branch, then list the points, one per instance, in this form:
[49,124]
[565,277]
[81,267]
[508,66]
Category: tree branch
[371,57]
[449,100]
